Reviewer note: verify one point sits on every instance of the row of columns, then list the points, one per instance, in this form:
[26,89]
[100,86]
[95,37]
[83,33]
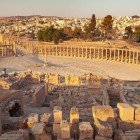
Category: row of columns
[120,55]
[6,50]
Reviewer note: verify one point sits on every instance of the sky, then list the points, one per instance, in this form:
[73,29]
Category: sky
[69,8]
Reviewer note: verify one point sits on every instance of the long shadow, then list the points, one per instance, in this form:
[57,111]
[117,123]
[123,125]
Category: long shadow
[9,70]
[37,59]
[55,65]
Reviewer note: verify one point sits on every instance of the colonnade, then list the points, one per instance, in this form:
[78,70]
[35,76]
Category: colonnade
[112,54]
[6,50]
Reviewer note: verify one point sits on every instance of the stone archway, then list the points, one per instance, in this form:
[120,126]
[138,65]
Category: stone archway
[14,109]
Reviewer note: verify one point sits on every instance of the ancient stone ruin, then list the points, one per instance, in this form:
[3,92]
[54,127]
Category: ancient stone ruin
[41,106]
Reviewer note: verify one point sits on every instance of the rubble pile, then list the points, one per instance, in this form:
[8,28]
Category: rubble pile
[78,97]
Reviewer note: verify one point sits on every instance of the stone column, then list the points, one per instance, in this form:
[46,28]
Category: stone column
[129,57]
[98,53]
[65,130]
[89,53]
[82,53]
[57,112]
[133,57]
[106,54]
[2,49]
[126,56]
[71,51]
[0,122]
[86,52]
[67,51]
[118,55]
[102,54]
[74,115]
[94,53]
[110,54]
[49,50]
[61,50]
[122,56]
[45,55]
[78,52]
[114,54]
[137,57]
[56,51]
[14,48]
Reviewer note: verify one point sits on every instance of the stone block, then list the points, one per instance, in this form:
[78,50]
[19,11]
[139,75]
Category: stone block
[13,135]
[32,119]
[45,117]
[102,138]
[85,131]
[103,113]
[126,112]
[128,125]
[57,112]
[25,133]
[38,128]
[103,129]
[72,80]
[137,111]
[74,115]
[128,135]
[56,130]
[65,130]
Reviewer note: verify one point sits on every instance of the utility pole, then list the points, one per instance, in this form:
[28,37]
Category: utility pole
[45,64]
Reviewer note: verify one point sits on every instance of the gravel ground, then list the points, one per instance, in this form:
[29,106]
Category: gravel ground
[65,66]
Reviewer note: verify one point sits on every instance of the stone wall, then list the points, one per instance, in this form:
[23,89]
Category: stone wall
[39,96]
[52,79]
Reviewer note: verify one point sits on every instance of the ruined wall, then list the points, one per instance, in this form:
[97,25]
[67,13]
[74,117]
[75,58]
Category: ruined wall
[39,95]
[7,102]
[72,80]
[52,79]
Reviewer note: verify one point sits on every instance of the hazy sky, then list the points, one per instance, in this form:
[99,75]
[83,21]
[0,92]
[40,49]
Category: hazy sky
[69,8]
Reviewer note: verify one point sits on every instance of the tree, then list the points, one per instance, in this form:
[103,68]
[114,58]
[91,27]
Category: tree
[77,33]
[68,32]
[90,28]
[92,25]
[40,35]
[51,34]
[106,24]
[129,31]
[137,34]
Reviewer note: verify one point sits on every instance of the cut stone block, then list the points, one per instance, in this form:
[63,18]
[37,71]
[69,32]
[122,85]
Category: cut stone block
[102,138]
[137,111]
[85,131]
[45,117]
[74,115]
[32,119]
[103,129]
[38,128]
[65,130]
[126,112]
[57,114]
[103,113]
[56,130]
[128,125]
[14,135]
